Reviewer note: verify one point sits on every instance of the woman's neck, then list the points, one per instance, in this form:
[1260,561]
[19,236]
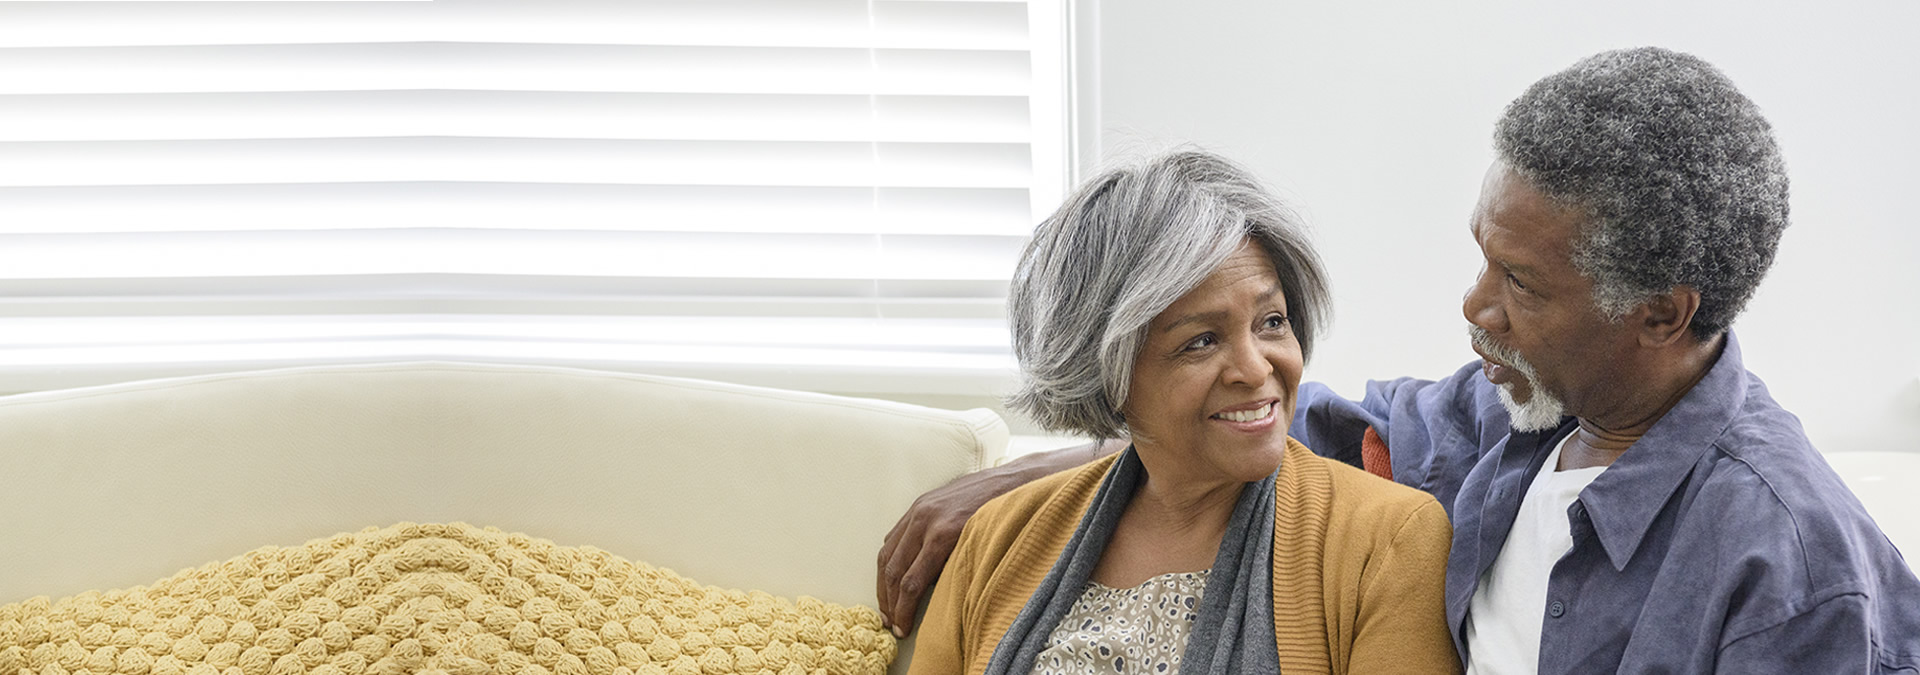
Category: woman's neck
[1167,527]
[1179,506]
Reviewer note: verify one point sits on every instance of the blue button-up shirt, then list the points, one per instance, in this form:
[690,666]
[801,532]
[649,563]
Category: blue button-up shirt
[1719,542]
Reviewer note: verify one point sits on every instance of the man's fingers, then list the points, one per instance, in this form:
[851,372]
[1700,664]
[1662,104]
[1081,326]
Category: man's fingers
[893,535]
[901,613]
[912,587]
[894,562]
[936,547]
[882,593]
[882,581]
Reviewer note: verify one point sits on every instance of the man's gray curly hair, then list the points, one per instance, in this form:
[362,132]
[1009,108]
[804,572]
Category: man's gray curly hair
[1675,170]
[1125,246]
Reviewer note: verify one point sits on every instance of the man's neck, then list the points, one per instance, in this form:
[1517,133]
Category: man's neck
[1602,439]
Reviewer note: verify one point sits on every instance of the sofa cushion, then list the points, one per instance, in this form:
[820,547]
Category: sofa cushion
[438,598]
[742,487]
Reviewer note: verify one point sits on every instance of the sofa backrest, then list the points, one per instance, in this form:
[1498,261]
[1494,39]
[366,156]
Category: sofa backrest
[734,486]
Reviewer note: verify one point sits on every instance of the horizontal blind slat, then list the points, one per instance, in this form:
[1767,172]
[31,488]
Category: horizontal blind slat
[530,291]
[693,255]
[527,206]
[530,296]
[733,117]
[513,66]
[792,23]
[979,165]
[960,335]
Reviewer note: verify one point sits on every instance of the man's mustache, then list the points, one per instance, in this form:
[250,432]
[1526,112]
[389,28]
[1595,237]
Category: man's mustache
[1483,341]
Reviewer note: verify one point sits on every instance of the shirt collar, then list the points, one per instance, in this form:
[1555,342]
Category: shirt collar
[1623,502]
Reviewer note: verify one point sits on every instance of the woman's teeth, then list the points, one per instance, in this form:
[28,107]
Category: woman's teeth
[1247,415]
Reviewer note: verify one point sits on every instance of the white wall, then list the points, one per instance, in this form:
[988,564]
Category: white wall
[1376,118]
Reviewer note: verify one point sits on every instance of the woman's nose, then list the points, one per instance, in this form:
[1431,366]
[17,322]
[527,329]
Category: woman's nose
[1248,364]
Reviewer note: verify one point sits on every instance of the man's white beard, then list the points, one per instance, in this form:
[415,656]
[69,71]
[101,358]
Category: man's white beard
[1541,411]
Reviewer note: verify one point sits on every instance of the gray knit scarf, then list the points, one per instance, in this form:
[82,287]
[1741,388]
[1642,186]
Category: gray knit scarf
[1234,630]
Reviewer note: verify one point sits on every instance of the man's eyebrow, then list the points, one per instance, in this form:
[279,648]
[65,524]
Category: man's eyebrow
[1473,226]
[1217,316]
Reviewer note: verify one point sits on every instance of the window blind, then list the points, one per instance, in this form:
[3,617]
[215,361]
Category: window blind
[779,186]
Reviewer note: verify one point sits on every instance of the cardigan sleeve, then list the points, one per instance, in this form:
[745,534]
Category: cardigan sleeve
[939,648]
[1402,623]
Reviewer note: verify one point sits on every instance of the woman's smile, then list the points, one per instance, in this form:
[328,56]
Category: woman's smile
[1257,416]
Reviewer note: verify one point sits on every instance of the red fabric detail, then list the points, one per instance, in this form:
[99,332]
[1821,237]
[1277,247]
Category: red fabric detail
[1374,456]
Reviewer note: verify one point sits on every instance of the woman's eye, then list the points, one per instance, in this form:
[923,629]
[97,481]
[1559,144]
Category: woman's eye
[1202,342]
[1275,322]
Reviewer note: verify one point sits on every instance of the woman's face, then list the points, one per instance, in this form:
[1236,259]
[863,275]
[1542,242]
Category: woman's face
[1213,389]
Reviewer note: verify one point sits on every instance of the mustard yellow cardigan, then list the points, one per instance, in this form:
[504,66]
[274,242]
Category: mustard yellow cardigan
[1359,571]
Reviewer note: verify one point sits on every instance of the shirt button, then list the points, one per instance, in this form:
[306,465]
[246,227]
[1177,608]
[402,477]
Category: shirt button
[1556,609]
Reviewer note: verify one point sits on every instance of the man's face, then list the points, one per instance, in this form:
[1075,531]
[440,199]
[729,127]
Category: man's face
[1542,339]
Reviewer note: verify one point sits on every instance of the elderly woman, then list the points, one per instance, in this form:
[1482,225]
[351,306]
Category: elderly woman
[1176,302]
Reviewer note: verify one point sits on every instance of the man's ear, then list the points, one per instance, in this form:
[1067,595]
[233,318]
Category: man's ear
[1665,318]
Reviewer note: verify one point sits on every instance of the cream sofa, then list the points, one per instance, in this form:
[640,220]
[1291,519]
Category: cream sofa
[741,487]
[732,486]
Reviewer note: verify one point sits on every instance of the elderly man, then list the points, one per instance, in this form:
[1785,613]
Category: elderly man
[1625,496]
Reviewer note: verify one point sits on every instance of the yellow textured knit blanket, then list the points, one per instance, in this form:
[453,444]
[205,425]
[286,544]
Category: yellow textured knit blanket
[436,599]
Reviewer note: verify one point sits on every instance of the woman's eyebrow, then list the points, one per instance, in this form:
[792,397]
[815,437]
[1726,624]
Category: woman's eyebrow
[1220,315]
[1195,318]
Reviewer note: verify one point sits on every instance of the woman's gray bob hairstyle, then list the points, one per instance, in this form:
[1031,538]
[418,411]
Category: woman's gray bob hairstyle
[1124,247]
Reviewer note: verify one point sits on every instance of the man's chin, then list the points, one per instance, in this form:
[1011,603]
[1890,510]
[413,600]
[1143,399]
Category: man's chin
[1540,412]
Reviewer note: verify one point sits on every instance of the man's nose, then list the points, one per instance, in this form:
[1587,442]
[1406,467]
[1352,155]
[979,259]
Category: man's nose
[1480,305]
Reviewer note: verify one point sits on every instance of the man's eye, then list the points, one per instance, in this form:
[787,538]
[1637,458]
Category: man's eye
[1515,281]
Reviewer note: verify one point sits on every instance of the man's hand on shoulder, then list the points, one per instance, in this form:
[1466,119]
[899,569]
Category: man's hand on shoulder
[917,549]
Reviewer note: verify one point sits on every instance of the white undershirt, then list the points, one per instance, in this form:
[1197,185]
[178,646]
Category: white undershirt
[1509,607]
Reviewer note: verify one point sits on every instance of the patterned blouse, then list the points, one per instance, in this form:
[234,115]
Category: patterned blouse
[1126,631]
